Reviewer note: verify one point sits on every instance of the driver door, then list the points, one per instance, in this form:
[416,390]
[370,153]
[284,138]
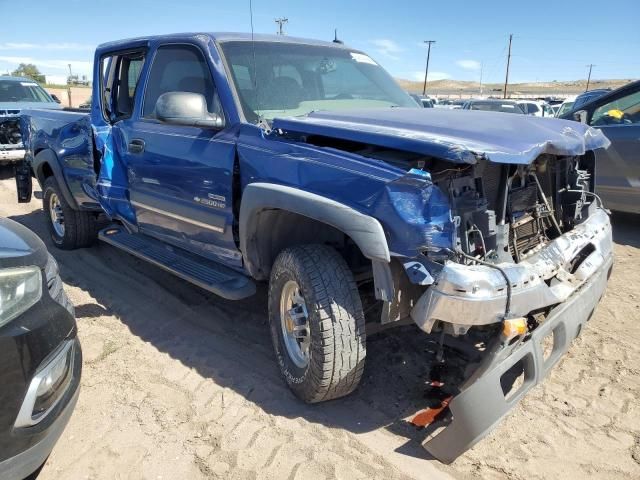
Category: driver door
[180,176]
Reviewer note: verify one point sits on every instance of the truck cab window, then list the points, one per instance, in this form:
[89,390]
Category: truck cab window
[179,68]
[121,74]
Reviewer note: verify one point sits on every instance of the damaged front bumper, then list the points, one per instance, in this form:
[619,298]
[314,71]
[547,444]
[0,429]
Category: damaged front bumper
[483,401]
[468,295]
[11,153]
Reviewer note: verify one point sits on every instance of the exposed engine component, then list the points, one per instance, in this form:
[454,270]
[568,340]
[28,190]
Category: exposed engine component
[505,213]
[10,132]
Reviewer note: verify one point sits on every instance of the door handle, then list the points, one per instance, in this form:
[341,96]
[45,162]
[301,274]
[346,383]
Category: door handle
[136,145]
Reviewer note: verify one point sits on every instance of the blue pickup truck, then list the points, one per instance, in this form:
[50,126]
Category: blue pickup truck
[231,159]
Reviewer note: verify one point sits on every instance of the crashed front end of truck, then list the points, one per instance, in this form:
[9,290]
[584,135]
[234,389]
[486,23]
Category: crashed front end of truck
[531,255]
[496,233]
[520,251]
[11,147]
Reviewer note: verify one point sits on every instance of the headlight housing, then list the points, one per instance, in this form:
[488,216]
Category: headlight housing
[20,289]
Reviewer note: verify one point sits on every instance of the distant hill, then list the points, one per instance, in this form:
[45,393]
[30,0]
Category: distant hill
[467,88]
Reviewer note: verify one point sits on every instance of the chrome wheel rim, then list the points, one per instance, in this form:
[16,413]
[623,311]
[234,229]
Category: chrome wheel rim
[294,320]
[57,215]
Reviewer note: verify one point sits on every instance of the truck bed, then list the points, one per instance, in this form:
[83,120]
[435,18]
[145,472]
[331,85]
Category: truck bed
[61,140]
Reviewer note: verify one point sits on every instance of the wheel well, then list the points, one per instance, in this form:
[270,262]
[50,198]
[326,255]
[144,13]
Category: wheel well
[279,229]
[45,171]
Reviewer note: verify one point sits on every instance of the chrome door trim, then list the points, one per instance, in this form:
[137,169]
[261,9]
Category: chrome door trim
[177,217]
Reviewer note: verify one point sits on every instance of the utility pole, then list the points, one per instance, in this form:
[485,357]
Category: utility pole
[426,72]
[591,65]
[69,86]
[506,78]
[281,21]
[481,68]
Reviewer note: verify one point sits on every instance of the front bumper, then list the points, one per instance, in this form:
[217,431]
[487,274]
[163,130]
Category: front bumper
[11,155]
[468,295]
[482,404]
[28,461]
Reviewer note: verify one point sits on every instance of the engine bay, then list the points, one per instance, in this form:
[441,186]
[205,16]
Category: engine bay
[10,139]
[507,212]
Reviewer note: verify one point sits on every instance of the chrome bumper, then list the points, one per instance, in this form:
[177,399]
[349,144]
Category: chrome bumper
[12,155]
[467,295]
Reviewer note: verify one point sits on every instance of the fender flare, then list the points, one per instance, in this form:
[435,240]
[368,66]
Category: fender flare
[49,157]
[365,231]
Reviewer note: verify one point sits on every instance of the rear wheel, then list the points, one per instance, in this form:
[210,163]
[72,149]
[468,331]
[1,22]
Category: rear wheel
[69,228]
[317,323]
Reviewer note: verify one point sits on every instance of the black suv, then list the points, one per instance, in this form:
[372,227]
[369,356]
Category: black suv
[40,356]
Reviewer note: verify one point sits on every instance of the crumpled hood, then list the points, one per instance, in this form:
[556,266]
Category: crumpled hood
[460,136]
[12,106]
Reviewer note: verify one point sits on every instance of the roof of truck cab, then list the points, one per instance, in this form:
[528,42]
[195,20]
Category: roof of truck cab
[220,37]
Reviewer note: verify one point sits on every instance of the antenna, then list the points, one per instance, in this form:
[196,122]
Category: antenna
[255,69]
[335,37]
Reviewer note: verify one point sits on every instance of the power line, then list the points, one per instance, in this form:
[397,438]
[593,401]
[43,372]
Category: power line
[426,71]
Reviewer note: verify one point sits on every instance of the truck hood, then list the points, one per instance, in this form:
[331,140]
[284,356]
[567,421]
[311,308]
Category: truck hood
[13,108]
[460,136]
[19,246]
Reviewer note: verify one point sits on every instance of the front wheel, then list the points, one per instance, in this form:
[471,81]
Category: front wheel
[317,323]
[69,228]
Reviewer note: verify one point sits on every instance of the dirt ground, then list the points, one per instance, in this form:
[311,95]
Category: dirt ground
[179,384]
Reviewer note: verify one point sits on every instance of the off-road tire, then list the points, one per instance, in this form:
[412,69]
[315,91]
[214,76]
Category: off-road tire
[80,227]
[336,322]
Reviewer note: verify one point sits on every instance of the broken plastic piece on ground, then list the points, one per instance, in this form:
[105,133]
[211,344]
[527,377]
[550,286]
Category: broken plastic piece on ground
[427,416]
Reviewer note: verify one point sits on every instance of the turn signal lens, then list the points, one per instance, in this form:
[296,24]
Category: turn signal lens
[514,327]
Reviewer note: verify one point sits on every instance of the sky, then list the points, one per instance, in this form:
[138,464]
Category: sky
[552,40]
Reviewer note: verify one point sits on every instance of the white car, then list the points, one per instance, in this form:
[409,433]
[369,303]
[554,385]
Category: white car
[536,108]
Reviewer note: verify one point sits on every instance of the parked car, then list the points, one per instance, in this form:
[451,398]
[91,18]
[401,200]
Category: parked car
[231,159]
[565,106]
[617,115]
[16,94]
[40,357]
[588,96]
[494,105]
[536,108]
[421,100]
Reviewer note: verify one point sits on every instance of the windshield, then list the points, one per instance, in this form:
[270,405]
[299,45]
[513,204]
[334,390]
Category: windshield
[564,108]
[496,107]
[294,80]
[22,91]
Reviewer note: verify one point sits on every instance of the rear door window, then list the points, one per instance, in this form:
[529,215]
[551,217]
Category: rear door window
[119,82]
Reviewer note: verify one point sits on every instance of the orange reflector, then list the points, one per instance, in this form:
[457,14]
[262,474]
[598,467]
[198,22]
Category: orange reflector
[514,327]
[427,416]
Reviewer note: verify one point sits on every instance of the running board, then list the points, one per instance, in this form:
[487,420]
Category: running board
[206,274]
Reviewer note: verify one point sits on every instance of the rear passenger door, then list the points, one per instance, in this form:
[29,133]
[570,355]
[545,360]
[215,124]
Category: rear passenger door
[180,177]
[119,74]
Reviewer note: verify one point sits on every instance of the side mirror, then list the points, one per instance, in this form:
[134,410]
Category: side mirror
[580,116]
[55,98]
[188,109]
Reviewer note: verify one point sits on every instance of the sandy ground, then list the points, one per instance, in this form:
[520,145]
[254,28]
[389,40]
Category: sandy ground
[180,384]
